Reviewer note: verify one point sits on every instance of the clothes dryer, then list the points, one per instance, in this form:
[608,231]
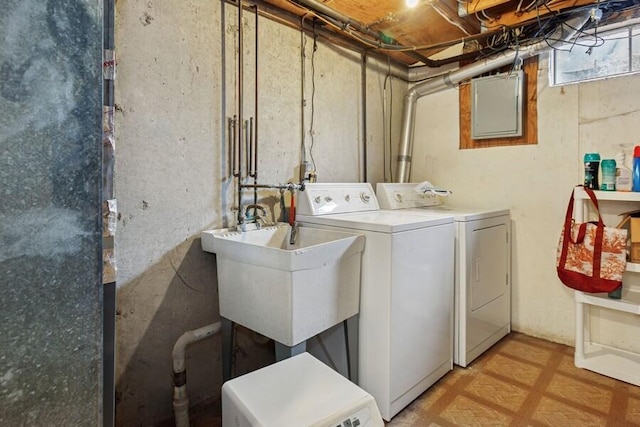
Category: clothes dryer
[406,297]
[482,309]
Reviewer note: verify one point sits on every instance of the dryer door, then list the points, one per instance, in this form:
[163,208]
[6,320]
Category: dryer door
[488,263]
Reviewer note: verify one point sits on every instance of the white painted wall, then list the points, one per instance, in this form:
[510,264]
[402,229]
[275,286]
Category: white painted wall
[535,182]
[171,174]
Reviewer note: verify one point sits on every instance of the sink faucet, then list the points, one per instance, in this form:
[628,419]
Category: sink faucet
[294,233]
[256,217]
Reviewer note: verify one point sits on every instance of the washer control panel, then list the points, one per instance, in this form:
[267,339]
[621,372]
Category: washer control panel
[403,196]
[361,418]
[330,198]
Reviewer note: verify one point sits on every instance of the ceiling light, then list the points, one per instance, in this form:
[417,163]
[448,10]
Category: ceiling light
[411,3]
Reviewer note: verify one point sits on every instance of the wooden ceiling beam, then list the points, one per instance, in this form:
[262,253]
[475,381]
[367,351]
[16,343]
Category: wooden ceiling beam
[474,6]
[515,19]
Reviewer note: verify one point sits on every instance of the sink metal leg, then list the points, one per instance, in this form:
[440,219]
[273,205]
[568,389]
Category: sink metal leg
[228,337]
[285,352]
[351,343]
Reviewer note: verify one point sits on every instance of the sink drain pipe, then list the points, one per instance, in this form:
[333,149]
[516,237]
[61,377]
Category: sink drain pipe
[452,78]
[180,398]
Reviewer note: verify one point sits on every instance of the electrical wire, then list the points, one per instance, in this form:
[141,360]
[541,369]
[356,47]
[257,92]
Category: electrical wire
[497,44]
[303,62]
[313,95]
[435,7]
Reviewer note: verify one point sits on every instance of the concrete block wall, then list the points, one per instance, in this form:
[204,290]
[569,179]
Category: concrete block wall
[171,177]
[535,181]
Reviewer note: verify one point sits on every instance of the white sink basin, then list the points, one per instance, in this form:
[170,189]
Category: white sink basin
[287,292]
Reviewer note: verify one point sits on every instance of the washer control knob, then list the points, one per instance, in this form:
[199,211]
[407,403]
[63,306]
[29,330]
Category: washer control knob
[398,197]
[365,197]
[318,199]
[347,198]
[328,199]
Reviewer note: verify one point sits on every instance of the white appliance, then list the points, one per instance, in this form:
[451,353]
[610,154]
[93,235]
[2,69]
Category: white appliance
[483,267]
[299,391]
[406,297]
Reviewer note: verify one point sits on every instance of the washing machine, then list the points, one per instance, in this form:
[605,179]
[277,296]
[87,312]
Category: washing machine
[482,267]
[405,338]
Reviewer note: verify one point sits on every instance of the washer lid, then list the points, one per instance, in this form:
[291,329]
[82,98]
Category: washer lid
[461,214]
[382,221]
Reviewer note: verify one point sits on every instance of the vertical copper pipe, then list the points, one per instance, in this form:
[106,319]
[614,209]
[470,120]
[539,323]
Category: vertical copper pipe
[255,114]
[234,144]
[230,148]
[240,106]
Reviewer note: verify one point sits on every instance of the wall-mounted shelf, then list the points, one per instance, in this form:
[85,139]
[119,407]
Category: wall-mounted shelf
[612,362]
[619,196]
[633,267]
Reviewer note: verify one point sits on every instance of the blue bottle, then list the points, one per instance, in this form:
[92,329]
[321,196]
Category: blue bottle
[635,173]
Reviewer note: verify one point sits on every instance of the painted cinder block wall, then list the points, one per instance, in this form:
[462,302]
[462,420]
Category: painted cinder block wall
[535,181]
[171,175]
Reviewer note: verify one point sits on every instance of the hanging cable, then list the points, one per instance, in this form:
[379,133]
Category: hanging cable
[444,16]
[303,66]
[313,94]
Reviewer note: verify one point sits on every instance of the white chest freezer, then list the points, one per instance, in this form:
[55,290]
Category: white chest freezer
[297,392]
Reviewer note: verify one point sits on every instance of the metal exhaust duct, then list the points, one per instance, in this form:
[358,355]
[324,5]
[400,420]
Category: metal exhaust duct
[452,78]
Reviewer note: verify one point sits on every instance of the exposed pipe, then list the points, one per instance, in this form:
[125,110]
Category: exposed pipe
[363,88]
[295,21]
[240,122]
[452,78]
[344,22]
[288,186]
[423,72]
[303,146]
[180,398]
[254,138]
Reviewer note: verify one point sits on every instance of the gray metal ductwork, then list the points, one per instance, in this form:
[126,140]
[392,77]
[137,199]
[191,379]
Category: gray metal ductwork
[563,33]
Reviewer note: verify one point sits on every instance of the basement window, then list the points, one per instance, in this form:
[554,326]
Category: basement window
[596,55]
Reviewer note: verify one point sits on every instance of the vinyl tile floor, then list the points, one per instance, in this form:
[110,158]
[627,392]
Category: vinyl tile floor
[521,381]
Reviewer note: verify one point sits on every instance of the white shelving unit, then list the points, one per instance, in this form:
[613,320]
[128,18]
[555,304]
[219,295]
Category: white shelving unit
[612,362]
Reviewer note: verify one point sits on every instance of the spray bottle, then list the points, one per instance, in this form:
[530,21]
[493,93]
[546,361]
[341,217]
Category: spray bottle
[623,173]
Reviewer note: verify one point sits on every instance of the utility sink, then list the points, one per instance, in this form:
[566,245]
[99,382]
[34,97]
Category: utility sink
[287,292]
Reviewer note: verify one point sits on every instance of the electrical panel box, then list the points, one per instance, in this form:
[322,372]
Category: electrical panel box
[497,105]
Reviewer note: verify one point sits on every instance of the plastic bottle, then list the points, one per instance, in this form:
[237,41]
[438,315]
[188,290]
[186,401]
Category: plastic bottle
[623,173]
[616,293]
[635,175]
[591,167]
[608,175]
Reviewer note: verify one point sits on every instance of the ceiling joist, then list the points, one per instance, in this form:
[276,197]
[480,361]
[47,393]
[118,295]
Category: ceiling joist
[414,35]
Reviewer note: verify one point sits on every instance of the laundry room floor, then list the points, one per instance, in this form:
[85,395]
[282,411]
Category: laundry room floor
[521,381]
[524,381]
